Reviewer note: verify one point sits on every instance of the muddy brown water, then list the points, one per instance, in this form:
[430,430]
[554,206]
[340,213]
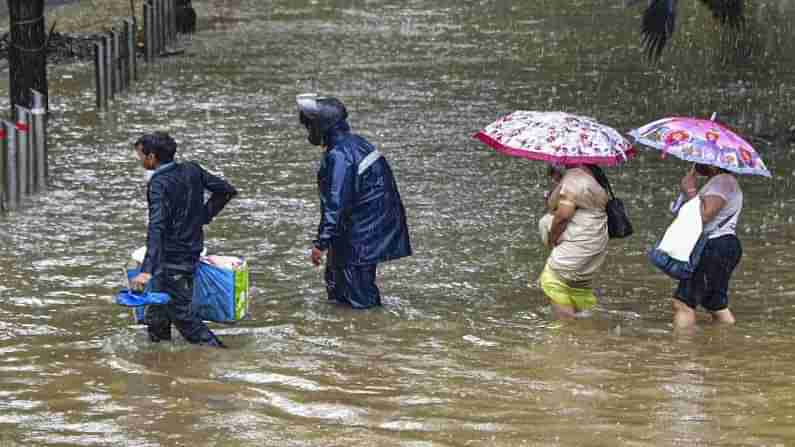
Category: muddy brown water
[463,352]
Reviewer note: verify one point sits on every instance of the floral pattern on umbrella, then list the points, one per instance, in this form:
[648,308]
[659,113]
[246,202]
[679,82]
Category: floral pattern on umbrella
[702,141]
[557,137]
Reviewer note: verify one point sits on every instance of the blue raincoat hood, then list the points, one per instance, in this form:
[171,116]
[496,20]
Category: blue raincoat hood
[337,132]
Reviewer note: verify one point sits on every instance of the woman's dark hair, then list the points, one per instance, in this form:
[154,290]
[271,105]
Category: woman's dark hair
[553,169]
[600,177]
[159,143]
[704,169]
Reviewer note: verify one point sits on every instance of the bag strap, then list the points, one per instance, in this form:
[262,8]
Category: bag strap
[602,180]
[724,222]
[609,189]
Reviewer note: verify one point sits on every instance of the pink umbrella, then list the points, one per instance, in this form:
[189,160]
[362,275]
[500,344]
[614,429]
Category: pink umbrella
[702,141]
[557,137]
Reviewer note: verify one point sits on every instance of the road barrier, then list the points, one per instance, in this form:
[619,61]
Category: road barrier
[115,61]
[23,153]
[23,142]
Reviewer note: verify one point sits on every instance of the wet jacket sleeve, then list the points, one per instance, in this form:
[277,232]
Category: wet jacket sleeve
[337,198]
[221,193]
[157,221]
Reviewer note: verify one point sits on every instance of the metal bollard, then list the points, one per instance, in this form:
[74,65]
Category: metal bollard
[39,141]
[121,48]
[162,25]
[107,62]
[148,32]
[173,21]
[176,27]
[153,4]
[12,193]
[166,21]
[124,62]
[99,75]
[114,64]
[132,62]
[156,29]
[23,149]
[3,152]
[125,50]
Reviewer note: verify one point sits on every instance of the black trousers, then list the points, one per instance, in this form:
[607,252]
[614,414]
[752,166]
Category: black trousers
[352,284]
[709,285]
[179,286]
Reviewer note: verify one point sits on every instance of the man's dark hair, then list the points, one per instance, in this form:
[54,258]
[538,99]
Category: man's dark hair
[159,143]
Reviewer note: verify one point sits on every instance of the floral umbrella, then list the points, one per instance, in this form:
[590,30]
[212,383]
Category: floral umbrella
[702,141]
[557,137]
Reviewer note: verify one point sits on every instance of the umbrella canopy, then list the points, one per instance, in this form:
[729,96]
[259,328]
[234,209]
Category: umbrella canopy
[701,141]
[557,137]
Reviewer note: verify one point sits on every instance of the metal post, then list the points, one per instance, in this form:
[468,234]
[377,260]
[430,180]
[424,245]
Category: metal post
[161,25]
[121,49]
[3,155]
[39,122]
[30,177]
[23,148]
[176,33]
[148,32]
[124,48]
[11,163]
[153,29]
[99,75]
[132,62]
[117,82]
[112,65]
[166,22]
[173,21]
[108,66]
[156,29]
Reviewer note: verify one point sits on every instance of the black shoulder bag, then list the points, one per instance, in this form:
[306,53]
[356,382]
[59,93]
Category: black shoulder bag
[618,224]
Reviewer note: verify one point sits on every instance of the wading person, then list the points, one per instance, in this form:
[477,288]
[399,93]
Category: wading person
[575,229]
[362,219]
[175,237]
[186,17]
[721,205]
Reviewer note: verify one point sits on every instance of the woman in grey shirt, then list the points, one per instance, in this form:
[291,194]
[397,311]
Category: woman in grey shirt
[721,205]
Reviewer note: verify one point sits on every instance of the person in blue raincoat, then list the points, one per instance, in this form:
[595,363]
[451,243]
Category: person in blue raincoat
[175,236]
[362,219]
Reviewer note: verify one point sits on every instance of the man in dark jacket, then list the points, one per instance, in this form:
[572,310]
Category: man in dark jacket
[175,237]
[362,221]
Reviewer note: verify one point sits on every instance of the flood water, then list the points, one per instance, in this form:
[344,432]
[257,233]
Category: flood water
[463,351]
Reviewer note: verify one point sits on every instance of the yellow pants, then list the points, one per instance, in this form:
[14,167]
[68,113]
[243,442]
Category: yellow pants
[560,293]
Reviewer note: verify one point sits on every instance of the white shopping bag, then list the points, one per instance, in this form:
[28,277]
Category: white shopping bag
[683,233]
